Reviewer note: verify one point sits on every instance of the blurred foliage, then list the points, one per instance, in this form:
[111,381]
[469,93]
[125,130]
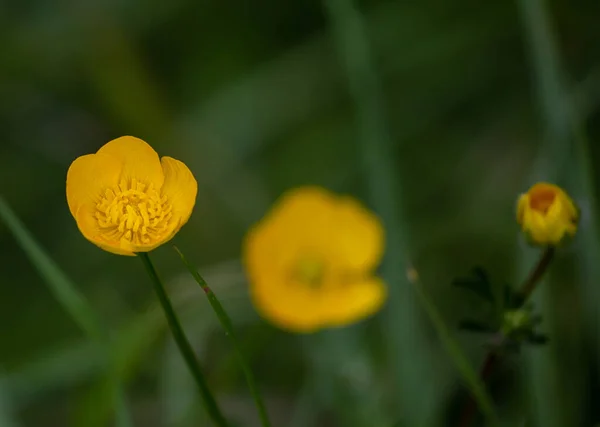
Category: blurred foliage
[255,98]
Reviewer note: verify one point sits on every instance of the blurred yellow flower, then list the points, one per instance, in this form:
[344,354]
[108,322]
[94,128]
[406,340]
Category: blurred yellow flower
[547,214]
[311,261]
[127,200]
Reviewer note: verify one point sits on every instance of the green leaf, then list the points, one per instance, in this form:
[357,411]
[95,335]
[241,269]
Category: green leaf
[62,288]
[472,325]
[478,283]
[537,339]
[227,325]
[469,375]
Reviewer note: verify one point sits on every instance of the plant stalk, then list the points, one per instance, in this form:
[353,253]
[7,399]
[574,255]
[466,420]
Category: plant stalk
[228,326]
[492,358]
[183,344]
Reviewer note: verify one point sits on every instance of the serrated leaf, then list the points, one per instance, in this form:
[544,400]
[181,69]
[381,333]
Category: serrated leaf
[475,326]
[478,283]
[480,272]
[538,339]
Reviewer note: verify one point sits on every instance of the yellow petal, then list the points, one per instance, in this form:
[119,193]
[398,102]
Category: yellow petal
[547,213]
[87,177]
[88,225]
[522,206]
[359,236]
[569,207]
[353,302]
[560,220]
[137,159]
[303,217]
[312,225]
[180,187]
[294,308]
[298,225]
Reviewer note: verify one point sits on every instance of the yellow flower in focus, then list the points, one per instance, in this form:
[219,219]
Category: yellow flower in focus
[310,261]
[547,214]
[127,200]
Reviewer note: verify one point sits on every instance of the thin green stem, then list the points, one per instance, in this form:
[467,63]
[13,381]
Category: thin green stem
[412,370]
[536,274]
[556,395]
[183,344]
[473,381]
[468,411]
[228,326]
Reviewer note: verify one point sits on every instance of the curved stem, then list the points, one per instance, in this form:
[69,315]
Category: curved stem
[228,326]
[184,345]
[473,381]
[535,276]
[469,409]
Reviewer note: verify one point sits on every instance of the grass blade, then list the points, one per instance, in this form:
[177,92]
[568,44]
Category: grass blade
[557,396]
[469,375]
[66,293]
[62,288]
[228,326]
[185,348]
[408,348]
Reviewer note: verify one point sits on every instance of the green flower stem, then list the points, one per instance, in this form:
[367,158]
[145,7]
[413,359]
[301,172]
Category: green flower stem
[536,274]
[474,382]
[184,345]
[468,412]
[491,359]
[228,326]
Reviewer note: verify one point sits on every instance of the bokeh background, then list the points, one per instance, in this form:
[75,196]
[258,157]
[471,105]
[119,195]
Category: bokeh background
[435,114]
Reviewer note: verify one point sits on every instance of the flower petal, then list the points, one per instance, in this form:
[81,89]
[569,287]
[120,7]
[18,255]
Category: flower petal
[522,206]
[306,207]
[303,218]
[353,302]
[180,187]
[138,160]
[87,177]
[293,308]
[313,220]
[298,225]
[88,225]
[359,236]
[570,210]
[265,254]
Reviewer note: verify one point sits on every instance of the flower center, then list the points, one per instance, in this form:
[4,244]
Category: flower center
[542,199]
[136,213]
[310,271]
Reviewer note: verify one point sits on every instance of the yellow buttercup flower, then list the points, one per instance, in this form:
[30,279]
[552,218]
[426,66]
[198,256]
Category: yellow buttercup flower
[311,261]
[547,214]
[127,200]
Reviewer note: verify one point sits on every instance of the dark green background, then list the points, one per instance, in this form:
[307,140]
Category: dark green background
[478,102]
